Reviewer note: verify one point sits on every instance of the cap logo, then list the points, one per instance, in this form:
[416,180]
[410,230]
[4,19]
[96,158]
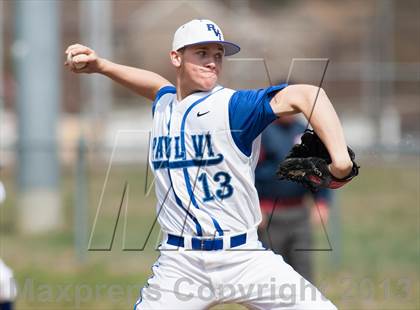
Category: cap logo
[211,27]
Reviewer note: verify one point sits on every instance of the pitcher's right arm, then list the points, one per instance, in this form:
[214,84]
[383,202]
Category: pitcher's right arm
[142,82]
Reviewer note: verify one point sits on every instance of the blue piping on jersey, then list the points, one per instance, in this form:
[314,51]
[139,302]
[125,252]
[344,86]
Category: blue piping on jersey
[179,202]
[170,117]
[163,91]
[217,226]
[163,164]
[185,170]
[177,199]
[184,118]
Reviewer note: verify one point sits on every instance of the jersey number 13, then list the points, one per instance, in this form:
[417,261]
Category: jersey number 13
[223,190]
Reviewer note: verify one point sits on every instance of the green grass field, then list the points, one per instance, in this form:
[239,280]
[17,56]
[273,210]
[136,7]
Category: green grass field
[374,263]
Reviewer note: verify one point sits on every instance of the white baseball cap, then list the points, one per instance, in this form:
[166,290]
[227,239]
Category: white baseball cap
[200,31]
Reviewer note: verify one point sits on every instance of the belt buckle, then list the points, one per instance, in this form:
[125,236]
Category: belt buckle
[202,244]
[209,239]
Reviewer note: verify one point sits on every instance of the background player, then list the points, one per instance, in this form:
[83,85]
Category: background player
[288,206]
[205,134]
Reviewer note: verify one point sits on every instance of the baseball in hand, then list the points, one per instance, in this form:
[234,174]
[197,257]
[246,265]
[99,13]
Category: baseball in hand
[77,61]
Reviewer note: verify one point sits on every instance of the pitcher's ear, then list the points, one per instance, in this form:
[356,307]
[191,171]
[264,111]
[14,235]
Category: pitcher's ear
[176,58]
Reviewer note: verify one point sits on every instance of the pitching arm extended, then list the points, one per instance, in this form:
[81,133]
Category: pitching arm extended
[142,82]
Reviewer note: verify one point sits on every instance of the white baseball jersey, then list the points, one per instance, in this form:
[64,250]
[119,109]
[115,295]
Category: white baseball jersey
[203,152]
[204,161]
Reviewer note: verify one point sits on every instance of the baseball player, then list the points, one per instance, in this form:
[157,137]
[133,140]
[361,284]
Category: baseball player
[287,208]
[8,289]
[203,153]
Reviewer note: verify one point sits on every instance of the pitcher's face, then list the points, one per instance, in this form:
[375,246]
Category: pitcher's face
[199,65]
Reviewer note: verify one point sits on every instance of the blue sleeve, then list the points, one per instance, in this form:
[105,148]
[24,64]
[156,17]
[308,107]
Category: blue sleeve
[169,89]
[249,113]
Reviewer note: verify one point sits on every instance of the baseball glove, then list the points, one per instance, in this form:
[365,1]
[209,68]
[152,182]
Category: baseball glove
[307,163]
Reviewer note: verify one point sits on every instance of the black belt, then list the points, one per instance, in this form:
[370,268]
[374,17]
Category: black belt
[206,243]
